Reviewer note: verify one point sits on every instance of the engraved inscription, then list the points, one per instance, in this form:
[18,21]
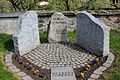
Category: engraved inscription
[60,22]
[61,31]
[58,28]
[58,19]
[56,74]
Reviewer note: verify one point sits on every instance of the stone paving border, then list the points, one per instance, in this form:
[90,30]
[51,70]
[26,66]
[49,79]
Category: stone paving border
[14,69]
[96,74]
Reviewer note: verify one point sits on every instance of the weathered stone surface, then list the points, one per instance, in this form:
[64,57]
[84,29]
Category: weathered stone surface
[94,76]
[92,34]
[27,78]
[62,73]
[111,57]
[8,58]
[58,28]
[99,72]
[9,64]
[107,65]
[102,68]
[26,36]
[22,74]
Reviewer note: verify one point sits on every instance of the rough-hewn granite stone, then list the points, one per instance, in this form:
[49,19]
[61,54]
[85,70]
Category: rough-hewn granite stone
[26,36]
[58,28]
[92,34]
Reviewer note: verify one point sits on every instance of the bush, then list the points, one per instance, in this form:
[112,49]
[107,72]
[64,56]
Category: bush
[96,4]
[64,5]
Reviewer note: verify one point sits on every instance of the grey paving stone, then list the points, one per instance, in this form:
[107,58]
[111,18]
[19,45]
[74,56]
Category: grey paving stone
[9,64]
[8,55]
[111,58]
[27,78]
[109,61]
[90,79]
[21,74]
[94,76]
[106,65]
[16,70]
[97,72]
[12,67]
[8,58]
[43,67]
[82,65]
[102,68]
[11,53]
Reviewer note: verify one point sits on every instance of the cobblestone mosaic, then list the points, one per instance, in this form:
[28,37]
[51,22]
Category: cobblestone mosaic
[59,55]
[68,52]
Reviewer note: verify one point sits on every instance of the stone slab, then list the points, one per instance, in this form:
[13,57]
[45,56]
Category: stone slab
[27,78]
[62,73]
[26,36]
[94,76]
[102,68]
[8,58]
[58,28]
[22,74]
[92,34]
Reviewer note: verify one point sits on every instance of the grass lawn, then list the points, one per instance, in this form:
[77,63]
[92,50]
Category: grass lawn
[111,74]
[5,45]
[114,72]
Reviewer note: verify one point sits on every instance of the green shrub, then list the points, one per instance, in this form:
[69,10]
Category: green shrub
[64,5]
[96,4]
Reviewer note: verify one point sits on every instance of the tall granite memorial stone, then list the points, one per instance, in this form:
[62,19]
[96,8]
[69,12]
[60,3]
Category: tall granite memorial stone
[58,28]
[26,36]
[92,34]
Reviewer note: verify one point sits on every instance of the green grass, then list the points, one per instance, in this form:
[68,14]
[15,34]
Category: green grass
[112,74]
[72,37]
[5,45]
[43,37]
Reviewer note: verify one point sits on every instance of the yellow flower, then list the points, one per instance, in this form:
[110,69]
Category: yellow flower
[82,74]
[36,71]
[88,66]
[97,59]
[20,58]
[26,64]
[87,69]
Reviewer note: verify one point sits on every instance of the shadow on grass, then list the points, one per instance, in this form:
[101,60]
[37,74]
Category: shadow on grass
[8,45]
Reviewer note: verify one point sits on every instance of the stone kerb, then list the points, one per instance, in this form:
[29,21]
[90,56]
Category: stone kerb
[26,36]
[58,28]
[92,34]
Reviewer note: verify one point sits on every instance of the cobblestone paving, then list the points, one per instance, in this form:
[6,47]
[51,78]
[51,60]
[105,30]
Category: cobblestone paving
[59,55]
[95,75]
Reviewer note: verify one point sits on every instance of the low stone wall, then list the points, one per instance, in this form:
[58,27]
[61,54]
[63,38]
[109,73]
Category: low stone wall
[8,20]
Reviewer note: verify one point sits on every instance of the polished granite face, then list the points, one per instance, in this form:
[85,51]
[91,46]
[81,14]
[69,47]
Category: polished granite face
[48,56]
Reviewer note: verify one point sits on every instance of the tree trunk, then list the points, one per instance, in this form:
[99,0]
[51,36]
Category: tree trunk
[67,5]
